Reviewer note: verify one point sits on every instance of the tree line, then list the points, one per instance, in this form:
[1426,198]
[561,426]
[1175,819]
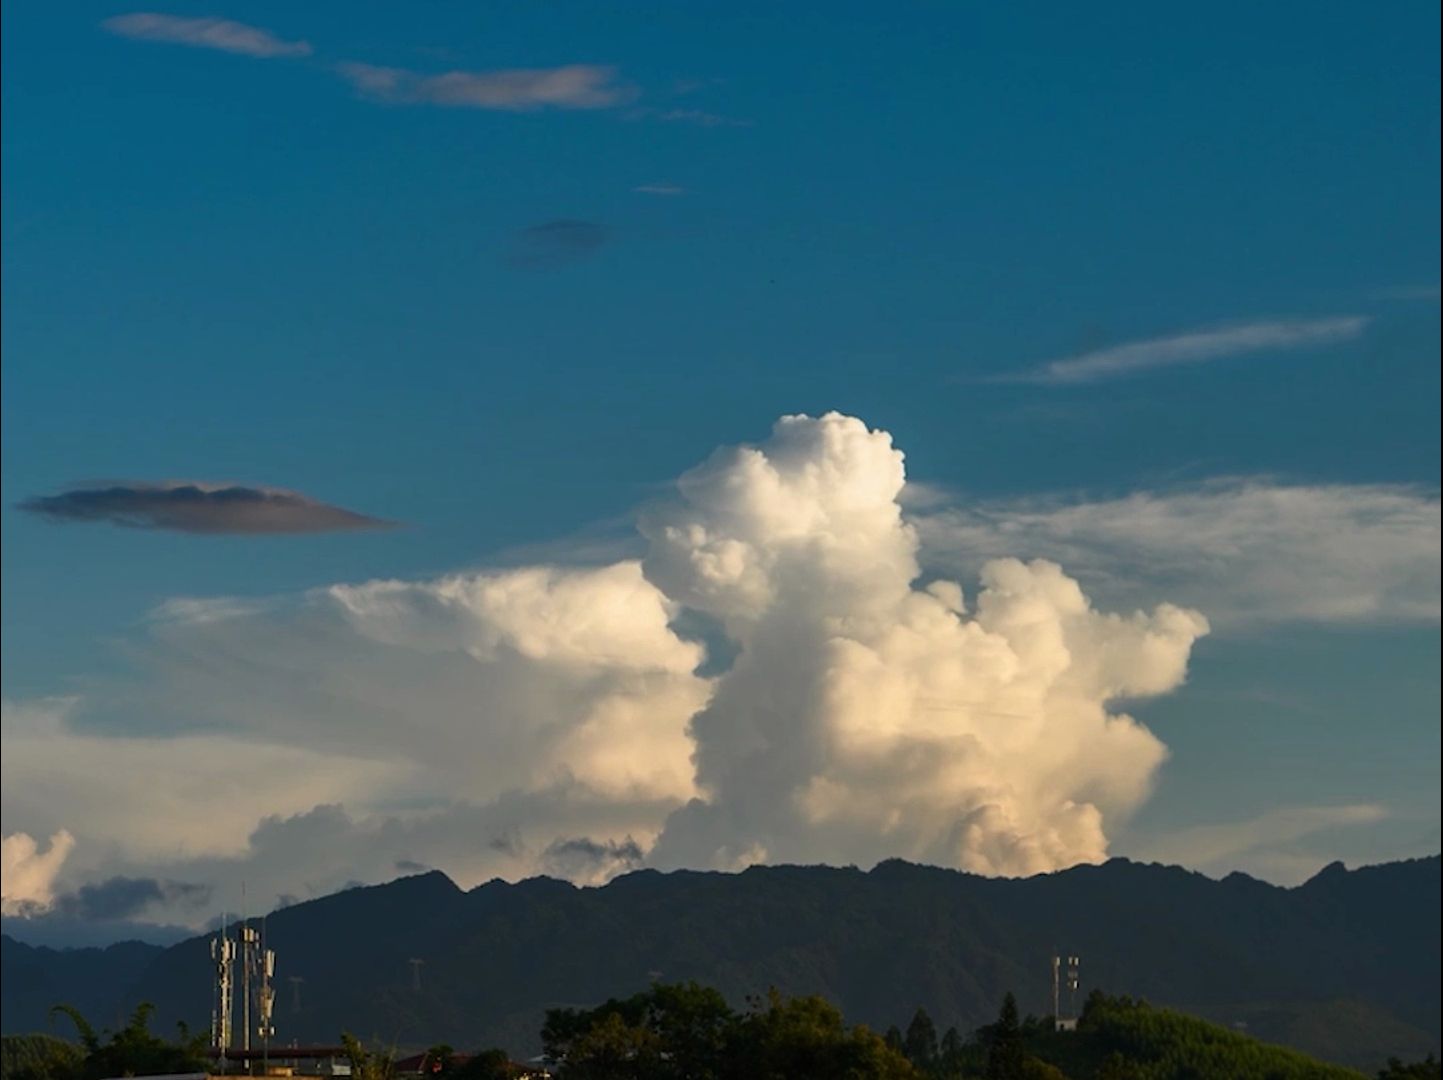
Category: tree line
[688,1031]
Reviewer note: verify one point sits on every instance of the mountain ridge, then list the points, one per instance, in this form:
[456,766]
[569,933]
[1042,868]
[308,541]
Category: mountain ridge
[1359,946]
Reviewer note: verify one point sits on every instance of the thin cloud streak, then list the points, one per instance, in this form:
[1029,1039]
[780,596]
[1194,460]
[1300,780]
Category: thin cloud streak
[659,189]
[695,117]
[554,243]
[204,33]
[574,86]
[1268,844]
[200,508]
[1248,553]
[1193,347]
[1409,292]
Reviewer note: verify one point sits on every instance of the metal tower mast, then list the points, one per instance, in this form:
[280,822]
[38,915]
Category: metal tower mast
[222,953]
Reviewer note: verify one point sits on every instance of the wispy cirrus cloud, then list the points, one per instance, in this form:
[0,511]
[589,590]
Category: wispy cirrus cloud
[1191,347]
[573,86]
[1409,292]
[1247,553]
[199,508]
[1269,845]
[695,117]
[224,35]
[659,189]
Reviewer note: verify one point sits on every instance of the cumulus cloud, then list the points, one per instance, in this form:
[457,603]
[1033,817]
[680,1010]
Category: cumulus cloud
[204,33]
[1192,347]
[194,507]
[27,882]
[867,717]
[574,86]
[1250,553]
[774,680]
[466,722]
[554,243]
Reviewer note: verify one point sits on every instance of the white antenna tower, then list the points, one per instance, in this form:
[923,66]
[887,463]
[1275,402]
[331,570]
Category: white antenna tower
[1070,983]
[250,940]
[222,953]
[247,938]
[1056,999]
[265,992]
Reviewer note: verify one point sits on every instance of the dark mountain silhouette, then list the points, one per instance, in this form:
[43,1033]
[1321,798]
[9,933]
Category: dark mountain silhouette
[1345,966]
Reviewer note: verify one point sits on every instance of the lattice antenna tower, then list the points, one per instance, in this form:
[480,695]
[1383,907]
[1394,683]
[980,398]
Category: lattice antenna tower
[222,954]
[265,962]
[1056,987]
[1074,966]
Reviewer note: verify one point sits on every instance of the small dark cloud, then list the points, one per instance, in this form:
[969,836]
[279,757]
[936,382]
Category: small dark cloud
[582,857]
[555,243]
[199,508]
[126,897]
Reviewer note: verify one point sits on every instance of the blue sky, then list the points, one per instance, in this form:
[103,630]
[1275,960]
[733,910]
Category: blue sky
[231,267]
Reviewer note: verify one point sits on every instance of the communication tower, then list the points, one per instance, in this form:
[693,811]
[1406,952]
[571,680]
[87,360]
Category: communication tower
[257,990]
[222,954]
[1065,977]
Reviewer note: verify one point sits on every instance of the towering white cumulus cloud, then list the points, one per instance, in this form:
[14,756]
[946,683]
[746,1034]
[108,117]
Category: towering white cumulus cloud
[866,717]
[558,719]
[28,874]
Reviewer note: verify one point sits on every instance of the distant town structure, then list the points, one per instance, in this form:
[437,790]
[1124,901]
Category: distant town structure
[1065,1021]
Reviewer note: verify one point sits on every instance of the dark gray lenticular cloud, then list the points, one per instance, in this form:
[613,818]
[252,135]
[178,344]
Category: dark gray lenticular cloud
[555,243]
[200,508]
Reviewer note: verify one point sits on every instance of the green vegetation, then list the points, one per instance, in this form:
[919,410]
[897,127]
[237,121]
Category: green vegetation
[38,1057]
[1430,1068]
[689,1032]
[132,1051]
[1123,1039]
[443,1063]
